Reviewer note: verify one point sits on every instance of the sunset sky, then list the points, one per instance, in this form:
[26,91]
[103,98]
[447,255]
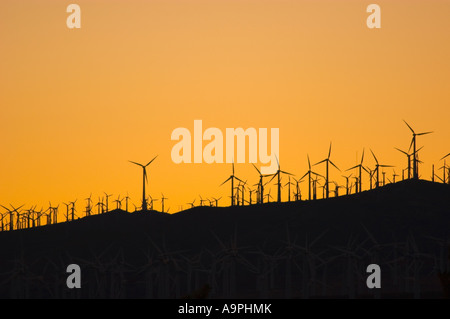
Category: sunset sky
[77,104]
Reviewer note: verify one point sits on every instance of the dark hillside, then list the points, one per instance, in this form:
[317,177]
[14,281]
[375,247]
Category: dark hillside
[287,250]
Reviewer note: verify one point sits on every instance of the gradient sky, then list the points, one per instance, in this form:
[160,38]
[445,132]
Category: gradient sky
[76,105]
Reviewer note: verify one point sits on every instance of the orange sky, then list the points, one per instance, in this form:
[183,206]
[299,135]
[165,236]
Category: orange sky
[76,105]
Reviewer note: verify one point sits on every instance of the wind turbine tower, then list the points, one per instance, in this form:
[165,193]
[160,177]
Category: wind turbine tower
[144,181]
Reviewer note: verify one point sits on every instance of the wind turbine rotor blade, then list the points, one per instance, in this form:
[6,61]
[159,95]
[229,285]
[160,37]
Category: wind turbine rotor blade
[273,176]
[425,133]
[321,162]
[16,209]
[409,127]
[374,156]
[335,166]
[356,166]
[369,235]
[386,166]
[309,163]
[136,163]
[304,175]
[362,157]
[317,174]
[418,150]
[239,180]
[401,151]
[444,156]
[151,160]
[256,169]
[410,145]
[318,238]
[225,181]
[287,173]
[329,151]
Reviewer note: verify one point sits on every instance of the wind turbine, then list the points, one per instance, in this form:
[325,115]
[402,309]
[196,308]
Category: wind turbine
[260,184]
[278,174]
[88,207]
[327,161]
[250,192]
[217,200]
[409,159]
[377,166]
[162,202]
[346,183]
[315,182]
[356,184]
[413,144]
[361,167]
[371,174]
[67,211]
[144,180]
[444,167]
[393,176]
[107,196]
[151,201]
[118,202]
[232,178]
[126,202]
[310,180]
[298,194]
[268,196]
[1,219]
[336,188]
[288,184]
[202,200]
[73,209]
[242,187]
[237,194]
[191,203]
[54,210]
[100,206]
[11,215]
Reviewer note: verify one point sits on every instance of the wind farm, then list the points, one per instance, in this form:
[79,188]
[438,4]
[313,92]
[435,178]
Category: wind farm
[360,204]
[319,146]
[352,184]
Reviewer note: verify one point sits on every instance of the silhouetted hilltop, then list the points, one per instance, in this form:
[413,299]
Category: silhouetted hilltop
[407,213]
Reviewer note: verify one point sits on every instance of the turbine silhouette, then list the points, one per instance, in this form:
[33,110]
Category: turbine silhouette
[144,181]
[413,144]
[327,161]
[232,177]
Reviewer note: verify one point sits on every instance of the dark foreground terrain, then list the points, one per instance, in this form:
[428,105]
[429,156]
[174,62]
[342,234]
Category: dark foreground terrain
[305,249]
